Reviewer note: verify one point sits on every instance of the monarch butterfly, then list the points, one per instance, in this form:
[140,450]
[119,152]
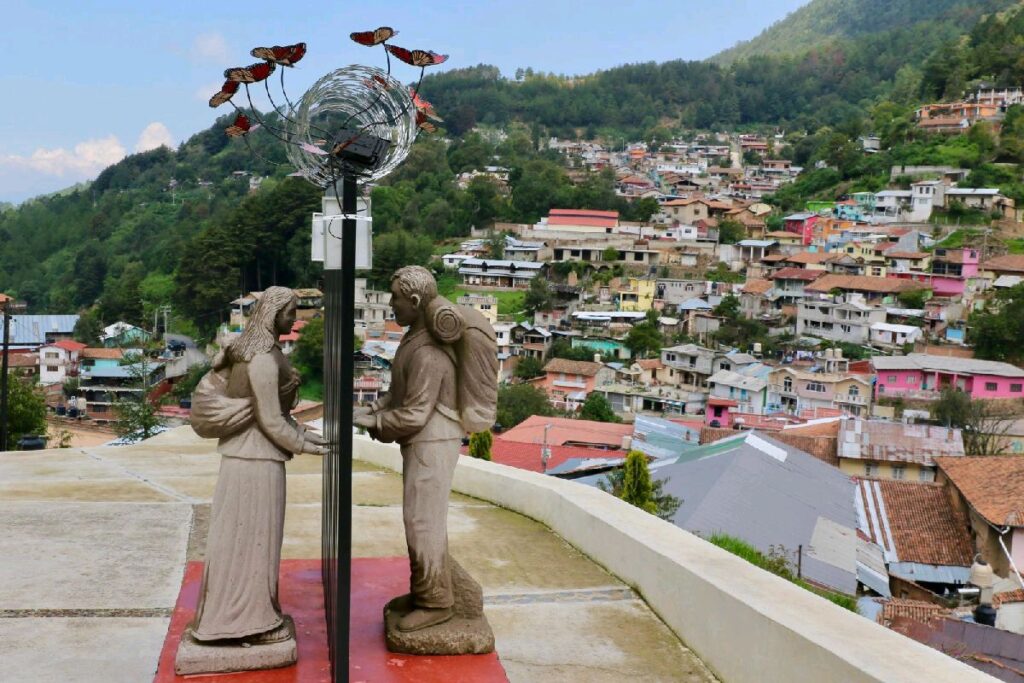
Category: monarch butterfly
[227,91]
[240,127]
[376,37]
[254,73]
[416,57]
[423,106]
[376,82]
[423,124]
[285,56]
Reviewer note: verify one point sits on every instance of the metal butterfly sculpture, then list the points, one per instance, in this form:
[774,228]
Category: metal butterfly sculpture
[332,144]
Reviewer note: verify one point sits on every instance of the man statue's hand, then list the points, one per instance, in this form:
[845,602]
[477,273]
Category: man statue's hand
[366,421]
[359,411]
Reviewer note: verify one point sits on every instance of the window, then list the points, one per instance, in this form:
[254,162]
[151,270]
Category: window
[870,469]
[725,366]
[52,368]
[899,472]
[853,391]
[1015,388]
[991,386]
[911,379]
[816,387]
[52,354]
[925,475]
[891,379]
[787,384]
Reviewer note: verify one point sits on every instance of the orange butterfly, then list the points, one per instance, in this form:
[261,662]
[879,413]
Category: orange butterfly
[416,57]
[227,91]
[285,56]
[423,106]
[423,124]
[375,37]
[254,73]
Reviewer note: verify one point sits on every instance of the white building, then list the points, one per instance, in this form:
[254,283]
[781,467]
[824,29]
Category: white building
[58,360]
[888,334]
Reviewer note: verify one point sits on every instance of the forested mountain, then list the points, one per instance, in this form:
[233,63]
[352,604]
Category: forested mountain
[821,22]
[182,227]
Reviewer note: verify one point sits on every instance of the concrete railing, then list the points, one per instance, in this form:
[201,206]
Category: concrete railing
[746,624]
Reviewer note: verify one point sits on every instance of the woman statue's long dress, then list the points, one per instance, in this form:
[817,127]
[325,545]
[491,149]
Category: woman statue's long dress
[238,598]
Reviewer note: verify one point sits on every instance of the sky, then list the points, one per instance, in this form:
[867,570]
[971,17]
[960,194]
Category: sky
[86,83]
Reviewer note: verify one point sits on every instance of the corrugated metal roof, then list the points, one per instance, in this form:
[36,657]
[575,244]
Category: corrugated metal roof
[31,330]
[768,494]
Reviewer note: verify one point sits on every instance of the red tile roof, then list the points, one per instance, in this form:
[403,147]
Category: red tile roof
[69,345]
[599,219]
[806,257]
[527,456]
[757,286]
[103,354]
[573,367]
[993,485]
[294,335]
[797,274]
[918,610]
[567,431]
[1009,263]
[650,364]
[921,521]
[862,283]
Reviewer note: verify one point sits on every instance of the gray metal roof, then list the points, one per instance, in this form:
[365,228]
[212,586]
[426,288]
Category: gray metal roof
[31,330]
[769,494]
[660,438]
[929,362]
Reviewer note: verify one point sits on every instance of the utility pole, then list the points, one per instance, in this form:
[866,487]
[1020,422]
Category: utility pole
[3,376]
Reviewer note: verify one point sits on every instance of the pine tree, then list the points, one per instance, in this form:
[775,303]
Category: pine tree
[480,445]
[636,486]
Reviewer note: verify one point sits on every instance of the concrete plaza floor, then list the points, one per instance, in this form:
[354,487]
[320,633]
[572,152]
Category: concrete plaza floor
[96,540]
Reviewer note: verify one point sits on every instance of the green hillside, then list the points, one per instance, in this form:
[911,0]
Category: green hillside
[820,22]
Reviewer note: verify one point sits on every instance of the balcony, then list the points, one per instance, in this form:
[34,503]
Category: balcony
[577,585]
[850,399]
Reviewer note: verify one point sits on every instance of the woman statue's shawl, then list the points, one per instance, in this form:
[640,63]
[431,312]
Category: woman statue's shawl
[215,414]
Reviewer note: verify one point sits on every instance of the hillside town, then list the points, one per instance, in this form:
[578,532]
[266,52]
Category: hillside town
[725,337]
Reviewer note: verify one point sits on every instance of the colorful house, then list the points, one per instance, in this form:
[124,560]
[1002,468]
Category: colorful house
[950,271]
[801,224]
[567,382]
[638,295]
[924,376]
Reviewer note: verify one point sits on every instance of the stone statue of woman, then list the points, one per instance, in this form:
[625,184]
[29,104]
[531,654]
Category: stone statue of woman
[253,387]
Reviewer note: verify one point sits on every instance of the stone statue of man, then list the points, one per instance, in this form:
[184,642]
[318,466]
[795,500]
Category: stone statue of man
[422,413]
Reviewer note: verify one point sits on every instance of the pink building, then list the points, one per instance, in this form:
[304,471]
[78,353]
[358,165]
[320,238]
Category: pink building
[924,376]
[719,412]
[950,270]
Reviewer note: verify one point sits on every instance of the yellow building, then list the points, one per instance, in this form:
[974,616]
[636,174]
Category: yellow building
[638,295]
[485,303]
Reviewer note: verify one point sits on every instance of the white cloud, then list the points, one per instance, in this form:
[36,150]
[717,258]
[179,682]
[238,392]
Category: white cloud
[154,135]
[210,47]
[86,159]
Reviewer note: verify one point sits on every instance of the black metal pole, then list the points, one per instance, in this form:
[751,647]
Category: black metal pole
[337,468]
[3,379]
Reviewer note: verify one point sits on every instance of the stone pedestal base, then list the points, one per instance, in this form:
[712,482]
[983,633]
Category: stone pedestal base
[196,657]
[467,632]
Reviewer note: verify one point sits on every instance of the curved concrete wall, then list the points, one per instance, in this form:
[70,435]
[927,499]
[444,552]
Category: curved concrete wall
[746,624]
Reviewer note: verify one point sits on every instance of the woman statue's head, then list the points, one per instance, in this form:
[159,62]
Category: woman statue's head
[273,316]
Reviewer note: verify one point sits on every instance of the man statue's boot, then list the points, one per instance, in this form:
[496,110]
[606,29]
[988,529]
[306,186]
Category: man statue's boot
[423,617]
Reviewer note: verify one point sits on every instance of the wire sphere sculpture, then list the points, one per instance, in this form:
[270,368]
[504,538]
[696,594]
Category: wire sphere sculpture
[343,110]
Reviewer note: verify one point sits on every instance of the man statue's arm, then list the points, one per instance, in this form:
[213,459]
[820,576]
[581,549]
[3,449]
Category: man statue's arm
[423,380]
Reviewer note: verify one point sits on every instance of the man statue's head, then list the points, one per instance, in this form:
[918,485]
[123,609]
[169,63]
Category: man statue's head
[412,288]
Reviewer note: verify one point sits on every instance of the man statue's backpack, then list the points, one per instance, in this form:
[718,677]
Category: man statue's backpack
[471,339]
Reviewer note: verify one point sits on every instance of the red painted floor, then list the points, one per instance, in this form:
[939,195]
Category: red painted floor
[374,581]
